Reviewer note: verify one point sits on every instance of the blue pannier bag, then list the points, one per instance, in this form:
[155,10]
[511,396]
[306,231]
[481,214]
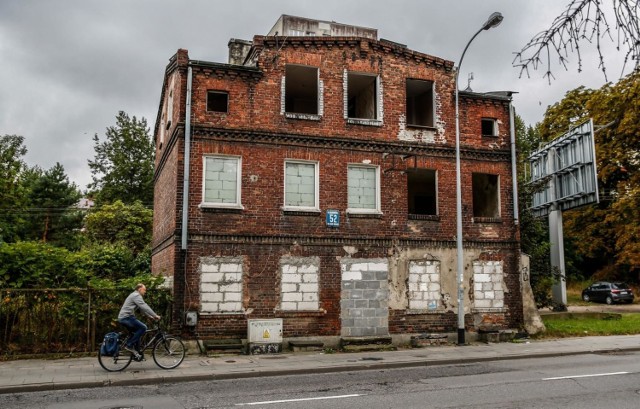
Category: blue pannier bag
[109,345]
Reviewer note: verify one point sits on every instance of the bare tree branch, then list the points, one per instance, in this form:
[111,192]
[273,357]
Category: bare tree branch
[584,21]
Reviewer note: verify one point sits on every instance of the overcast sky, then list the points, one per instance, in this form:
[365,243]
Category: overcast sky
[69,66]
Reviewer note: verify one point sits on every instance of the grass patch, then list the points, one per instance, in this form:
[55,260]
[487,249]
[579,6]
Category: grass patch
[582,325]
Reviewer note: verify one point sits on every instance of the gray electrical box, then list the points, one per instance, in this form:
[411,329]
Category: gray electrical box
[191,318]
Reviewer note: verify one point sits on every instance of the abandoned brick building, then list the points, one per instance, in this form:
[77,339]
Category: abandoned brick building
[312,178]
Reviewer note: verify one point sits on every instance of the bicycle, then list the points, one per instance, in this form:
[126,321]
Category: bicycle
[168,351]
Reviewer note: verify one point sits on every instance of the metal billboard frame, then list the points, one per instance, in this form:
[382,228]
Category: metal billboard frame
[567,167]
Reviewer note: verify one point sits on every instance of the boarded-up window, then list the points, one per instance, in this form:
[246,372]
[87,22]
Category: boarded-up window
[221,285]
[363,189]
[424,285]
[221,180]
[299,283]
[301,185]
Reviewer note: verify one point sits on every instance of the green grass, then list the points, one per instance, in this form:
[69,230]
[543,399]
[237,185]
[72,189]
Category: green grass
[580,325]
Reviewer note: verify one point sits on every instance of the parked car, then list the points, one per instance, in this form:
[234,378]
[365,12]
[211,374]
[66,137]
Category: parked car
[607,292]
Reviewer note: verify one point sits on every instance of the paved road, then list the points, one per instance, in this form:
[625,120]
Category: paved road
[576,381]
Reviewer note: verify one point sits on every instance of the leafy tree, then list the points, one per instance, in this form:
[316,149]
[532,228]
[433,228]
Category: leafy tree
[534,236]
[12,194]
[584,21]
[31,264]
[121,223]
[123,165]
[52,217]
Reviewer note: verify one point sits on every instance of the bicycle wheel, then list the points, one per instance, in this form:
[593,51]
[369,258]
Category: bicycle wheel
[115,363]
[169,352]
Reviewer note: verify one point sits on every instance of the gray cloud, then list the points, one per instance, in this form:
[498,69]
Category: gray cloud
[69,66]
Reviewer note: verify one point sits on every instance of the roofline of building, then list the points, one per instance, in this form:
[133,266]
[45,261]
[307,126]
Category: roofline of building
[497,95]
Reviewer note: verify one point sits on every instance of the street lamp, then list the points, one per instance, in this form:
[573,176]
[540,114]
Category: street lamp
[494,20]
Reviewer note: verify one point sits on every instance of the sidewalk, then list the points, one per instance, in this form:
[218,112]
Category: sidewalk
[38,374]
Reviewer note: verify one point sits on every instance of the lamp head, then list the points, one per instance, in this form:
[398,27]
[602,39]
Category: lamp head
[494,20]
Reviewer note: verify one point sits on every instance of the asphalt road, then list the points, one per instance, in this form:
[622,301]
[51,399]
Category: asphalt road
[590,380]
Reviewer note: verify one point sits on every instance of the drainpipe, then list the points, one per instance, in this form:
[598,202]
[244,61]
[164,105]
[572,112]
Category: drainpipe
[514,169]
[187,154]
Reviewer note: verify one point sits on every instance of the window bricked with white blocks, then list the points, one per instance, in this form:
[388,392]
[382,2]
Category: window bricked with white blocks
[487,284]
[424,284]
[221,285]
[299,283]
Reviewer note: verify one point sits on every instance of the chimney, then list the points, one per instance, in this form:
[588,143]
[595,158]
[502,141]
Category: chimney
[238,50]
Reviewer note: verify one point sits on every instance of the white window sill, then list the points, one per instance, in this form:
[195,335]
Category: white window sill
[362,121]
[308,117]
[301,209]
[364,211]
[221,206]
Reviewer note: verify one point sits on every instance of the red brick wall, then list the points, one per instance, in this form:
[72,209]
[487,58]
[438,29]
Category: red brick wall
[255,130]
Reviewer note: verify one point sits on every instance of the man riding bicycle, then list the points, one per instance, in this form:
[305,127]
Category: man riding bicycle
[128,318]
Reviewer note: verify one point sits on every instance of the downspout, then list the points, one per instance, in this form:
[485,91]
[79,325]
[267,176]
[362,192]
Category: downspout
[187,154]
[514,169]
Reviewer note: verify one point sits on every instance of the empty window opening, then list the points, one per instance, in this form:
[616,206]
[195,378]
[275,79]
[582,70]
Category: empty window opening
[420,103]
[422,192]
[362,96]
[486,201]
[489,127]
[301,89]
[217,101]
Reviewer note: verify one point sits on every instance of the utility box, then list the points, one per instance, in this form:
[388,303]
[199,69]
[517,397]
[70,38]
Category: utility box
[265,336]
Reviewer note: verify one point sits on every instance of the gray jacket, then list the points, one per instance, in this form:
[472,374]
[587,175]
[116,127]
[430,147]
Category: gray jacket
[133,302]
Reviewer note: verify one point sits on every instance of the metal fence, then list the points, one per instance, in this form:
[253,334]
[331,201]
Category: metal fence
[64,320]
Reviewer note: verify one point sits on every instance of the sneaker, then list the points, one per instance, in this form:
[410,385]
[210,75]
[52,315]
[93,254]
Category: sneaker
[133,351]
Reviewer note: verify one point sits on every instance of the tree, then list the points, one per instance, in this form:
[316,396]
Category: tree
[120,223]
[584,21]
[12,194]
[534,236]
[52,217]
[123,165]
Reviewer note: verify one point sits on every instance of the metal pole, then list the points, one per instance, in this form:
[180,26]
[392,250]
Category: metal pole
[493,21]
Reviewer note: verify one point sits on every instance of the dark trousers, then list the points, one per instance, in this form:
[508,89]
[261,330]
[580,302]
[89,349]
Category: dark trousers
[136,328]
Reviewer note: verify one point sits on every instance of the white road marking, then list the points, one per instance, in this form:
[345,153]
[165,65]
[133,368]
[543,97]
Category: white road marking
[297,400]
[584,376]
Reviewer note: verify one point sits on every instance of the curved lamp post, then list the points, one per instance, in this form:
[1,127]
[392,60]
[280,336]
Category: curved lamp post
[494,20]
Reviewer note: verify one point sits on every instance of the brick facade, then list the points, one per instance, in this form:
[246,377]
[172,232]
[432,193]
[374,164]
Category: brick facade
[272,245]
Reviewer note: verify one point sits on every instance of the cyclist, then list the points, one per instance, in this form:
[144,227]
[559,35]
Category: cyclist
[128,318]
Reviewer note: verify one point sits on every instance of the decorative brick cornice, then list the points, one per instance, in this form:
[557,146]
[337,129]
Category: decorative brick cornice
[342,241]
[364,44]
[342,143]
[316,241]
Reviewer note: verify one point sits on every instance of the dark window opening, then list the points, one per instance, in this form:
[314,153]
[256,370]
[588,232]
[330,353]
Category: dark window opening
[362,96]
[489,127]
[422,192]
[301,89]
[217,101]
[420,103]
[486,202]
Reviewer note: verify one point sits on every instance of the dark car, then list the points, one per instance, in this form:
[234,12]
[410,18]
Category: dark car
[610,293]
